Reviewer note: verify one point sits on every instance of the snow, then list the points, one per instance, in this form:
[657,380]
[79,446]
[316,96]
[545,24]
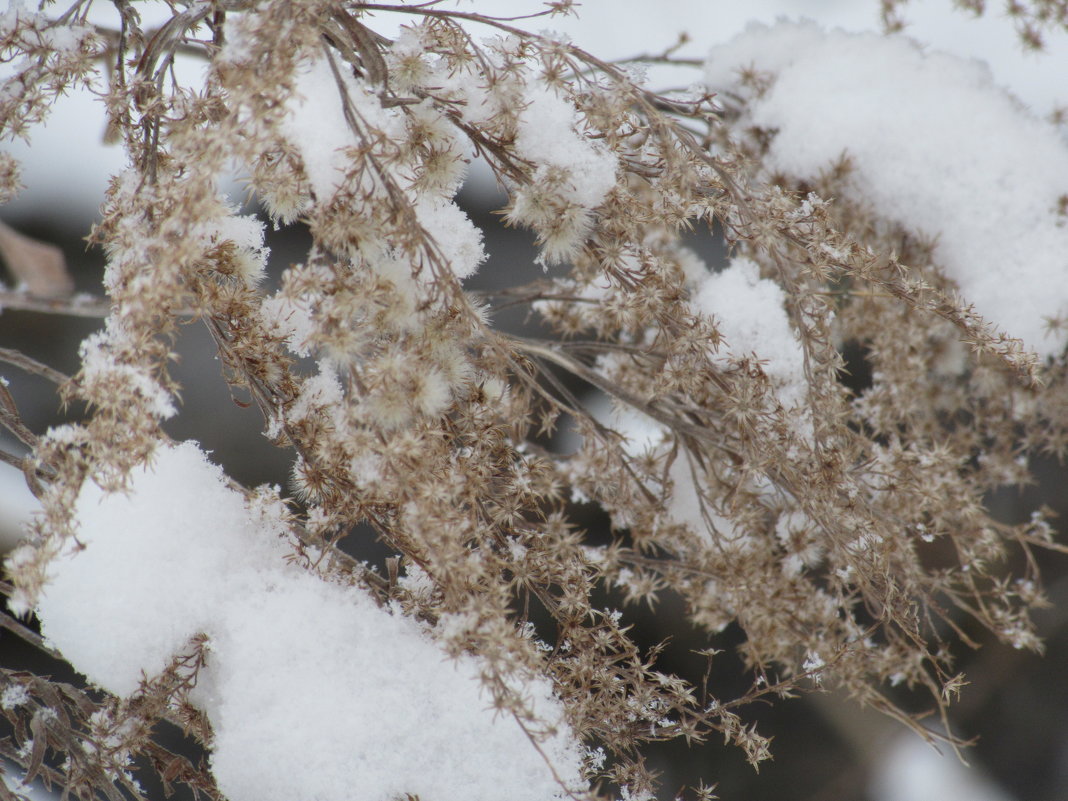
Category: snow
[911,770]
[290,320]
[64,39]
[321,392]
[154,570]
[14,696]
[955,158]
[685,506]
[99,367]
[549,135]
[457,237]
[313,691]
[68,177]
[316,125]
[749,312]
[573,174]
[17,505]
[245,232]
[357,697]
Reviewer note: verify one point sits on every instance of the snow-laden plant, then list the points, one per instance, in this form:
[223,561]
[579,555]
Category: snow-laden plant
[844,533]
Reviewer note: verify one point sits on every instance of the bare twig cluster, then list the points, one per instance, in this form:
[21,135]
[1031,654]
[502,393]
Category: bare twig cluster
[1033,19]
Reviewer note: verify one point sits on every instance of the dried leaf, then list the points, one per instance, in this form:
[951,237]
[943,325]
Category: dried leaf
[37,266]
[39,732]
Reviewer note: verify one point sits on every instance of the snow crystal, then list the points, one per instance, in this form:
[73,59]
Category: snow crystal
[67,38]
[935,146]
[813,663]
[14,696]
[313,691]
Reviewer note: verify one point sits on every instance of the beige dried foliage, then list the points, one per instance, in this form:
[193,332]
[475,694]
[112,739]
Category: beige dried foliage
[1033,19]
[38,267]
[846,537]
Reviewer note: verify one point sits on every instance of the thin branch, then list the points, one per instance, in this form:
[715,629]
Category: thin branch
[78,306]
[31,365]
[28,635]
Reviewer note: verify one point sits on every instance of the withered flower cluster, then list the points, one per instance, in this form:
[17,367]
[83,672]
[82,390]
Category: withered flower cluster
[844,534]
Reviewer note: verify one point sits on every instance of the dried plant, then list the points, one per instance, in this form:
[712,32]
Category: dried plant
[1032,18]
[845,534]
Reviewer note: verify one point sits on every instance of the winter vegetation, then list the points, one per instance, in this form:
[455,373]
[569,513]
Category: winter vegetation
[881,204]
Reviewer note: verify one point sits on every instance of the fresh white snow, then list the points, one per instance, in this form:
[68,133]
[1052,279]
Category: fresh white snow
[313,691]
[935,145]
